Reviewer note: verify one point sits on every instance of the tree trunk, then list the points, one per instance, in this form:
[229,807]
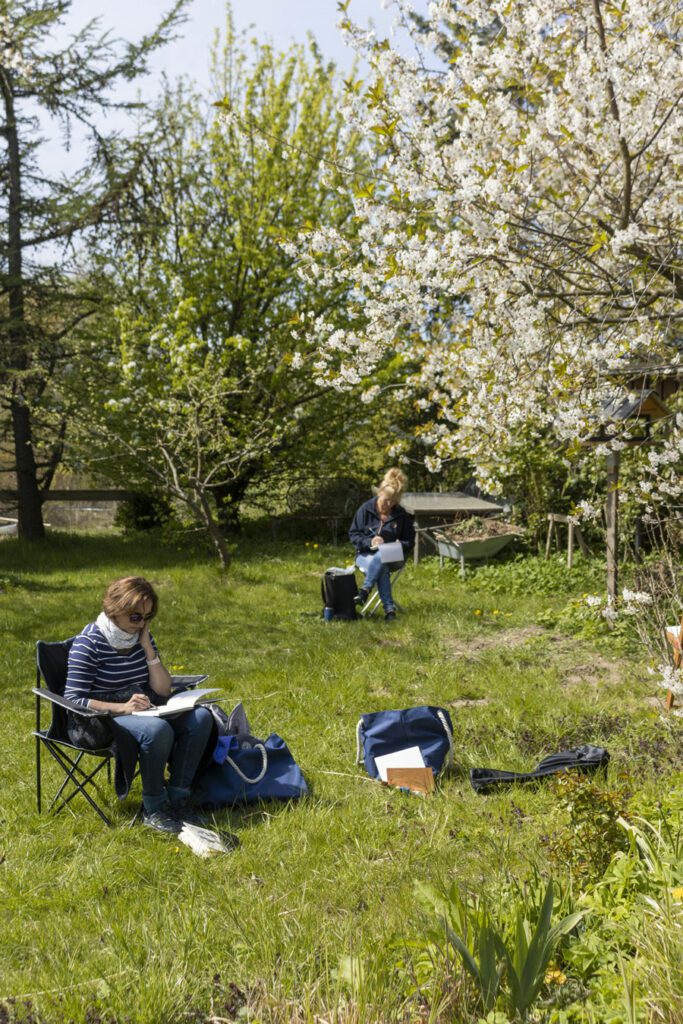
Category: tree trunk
[30,504]
[612,524]
[215,532]
[29,500]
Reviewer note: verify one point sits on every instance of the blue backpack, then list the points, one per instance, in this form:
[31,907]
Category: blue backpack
[385,732]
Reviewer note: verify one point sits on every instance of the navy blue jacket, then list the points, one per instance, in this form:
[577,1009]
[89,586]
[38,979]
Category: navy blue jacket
[366,525]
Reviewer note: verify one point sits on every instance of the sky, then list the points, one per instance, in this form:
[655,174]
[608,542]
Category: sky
[278,21]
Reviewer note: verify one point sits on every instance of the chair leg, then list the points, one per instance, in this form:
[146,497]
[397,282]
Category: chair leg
[370,606]
[38,793]
[72,771]
[38,741]
[136,817]
[373,602]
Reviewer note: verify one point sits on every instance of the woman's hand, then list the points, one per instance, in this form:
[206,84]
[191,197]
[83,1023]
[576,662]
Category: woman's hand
[138,702]
[376,541]
[145,641]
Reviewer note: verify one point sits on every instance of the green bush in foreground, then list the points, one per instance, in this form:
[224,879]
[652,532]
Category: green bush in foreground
[314,917]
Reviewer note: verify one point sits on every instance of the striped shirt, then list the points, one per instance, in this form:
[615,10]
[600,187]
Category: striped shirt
[96,670]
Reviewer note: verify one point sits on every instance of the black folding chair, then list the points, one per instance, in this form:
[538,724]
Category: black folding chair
[51,666]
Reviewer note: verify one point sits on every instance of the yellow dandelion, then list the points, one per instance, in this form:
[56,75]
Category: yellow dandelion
[554,976]
[477,611]
[496,612]
[677,893]
[316,545]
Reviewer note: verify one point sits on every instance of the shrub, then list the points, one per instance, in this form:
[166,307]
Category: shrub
[144,512]
[592,833]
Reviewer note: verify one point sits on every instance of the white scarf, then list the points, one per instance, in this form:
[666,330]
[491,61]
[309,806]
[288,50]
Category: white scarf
[115,637]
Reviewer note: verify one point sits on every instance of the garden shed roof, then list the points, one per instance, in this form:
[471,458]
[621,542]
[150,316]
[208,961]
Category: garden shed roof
[444,503]
[647,403]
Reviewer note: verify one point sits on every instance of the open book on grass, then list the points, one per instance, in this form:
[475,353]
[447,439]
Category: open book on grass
[177,703]
[205,841]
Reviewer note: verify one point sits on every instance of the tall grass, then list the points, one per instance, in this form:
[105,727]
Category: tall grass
[128,925]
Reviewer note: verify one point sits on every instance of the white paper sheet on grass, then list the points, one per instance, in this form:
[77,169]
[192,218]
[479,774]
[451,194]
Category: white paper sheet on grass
[391,552]
[411,757]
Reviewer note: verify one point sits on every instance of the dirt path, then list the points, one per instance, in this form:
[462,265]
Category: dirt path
[581,664]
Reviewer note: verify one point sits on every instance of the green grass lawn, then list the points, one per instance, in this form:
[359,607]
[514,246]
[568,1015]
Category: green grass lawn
[312,917]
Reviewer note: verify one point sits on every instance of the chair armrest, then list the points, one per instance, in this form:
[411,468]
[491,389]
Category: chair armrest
[70,705]
[187,682]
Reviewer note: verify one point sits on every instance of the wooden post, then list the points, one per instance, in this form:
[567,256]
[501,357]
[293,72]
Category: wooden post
[570,545]
[612,523]
[582,542]
[549,539]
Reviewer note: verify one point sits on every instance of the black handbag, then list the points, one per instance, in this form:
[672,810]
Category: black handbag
[97,733]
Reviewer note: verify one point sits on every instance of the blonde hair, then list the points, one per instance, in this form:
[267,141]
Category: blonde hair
[125,595]
[393,485]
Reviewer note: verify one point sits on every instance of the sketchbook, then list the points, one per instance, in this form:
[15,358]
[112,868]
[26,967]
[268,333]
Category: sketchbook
[410,757]
[178,703]
[391,552]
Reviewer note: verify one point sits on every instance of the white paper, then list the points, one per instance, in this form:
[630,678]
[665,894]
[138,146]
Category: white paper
[202,841]
[178,702]
[392,552]
[411,757]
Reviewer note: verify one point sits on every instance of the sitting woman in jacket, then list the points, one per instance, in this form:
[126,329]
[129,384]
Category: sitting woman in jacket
[381,521]
[114,666]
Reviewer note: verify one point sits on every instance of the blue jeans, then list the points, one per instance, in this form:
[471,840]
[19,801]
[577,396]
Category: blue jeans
[377,573]
[178,742]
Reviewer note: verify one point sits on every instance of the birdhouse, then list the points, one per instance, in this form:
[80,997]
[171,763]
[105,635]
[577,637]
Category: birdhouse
[645,407]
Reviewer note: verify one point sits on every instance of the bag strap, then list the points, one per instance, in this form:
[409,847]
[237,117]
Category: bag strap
[264,769]
[359,756]
[449,736]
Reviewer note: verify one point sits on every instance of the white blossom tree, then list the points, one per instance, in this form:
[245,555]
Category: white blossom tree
[521,236]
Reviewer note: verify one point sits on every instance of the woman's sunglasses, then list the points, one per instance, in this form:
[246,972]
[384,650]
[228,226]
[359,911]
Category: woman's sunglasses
[139,617]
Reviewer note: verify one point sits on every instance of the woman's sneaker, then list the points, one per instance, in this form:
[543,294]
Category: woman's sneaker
[163,819]
[390,615]
[186,814]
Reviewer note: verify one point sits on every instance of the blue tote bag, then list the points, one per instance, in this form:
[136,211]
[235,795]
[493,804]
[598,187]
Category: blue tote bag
[249,771]
[385,732]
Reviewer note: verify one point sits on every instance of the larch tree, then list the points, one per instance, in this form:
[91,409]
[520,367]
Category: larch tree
[44,294]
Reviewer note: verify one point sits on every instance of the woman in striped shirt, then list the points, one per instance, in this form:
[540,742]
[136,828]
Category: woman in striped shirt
[114,666]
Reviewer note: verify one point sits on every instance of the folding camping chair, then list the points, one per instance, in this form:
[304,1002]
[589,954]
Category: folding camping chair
[373,602]
[51,666]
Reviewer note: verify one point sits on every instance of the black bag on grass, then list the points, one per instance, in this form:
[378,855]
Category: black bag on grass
[583,759]
[338,589]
